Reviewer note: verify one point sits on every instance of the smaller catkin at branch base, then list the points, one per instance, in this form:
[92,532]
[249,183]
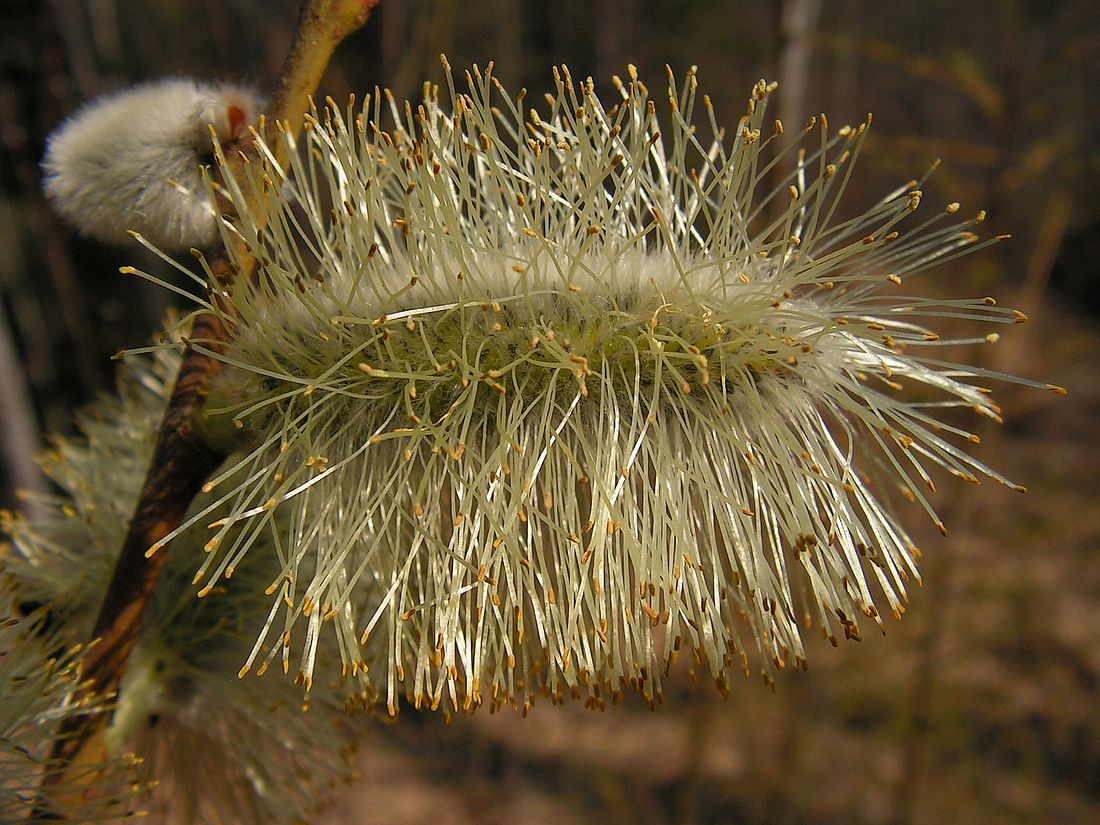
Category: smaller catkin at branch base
[182,461]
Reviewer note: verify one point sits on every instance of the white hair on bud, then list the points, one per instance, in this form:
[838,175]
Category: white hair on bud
[131,160]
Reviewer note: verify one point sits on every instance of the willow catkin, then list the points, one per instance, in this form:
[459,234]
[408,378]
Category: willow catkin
[532,401]
[132,160]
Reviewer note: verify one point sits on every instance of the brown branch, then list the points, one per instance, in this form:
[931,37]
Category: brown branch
[181,460]
[180,464]
[322,26]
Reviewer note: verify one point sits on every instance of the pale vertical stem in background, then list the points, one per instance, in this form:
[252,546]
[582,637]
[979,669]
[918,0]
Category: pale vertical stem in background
[221,31]
[443,24]
[1053,225]
[103,16]
[564,16]
[509,37]
[19,438]
[845,72]
[797,27]
[394,25]
[68,304]
[613,18]
[413,37]
[939,569]
[73,28]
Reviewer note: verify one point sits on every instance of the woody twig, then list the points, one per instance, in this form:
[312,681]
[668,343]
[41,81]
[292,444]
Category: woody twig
[182,461]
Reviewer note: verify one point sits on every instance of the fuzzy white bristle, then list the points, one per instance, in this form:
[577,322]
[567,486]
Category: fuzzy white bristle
[537,401]
[131,161]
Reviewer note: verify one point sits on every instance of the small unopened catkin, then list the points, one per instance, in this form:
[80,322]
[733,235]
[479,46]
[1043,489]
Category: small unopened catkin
[131,160]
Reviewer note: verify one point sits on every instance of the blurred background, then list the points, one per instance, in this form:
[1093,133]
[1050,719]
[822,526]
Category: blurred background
[983,705]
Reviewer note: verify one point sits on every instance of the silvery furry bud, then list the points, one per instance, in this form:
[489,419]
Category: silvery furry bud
[131,160]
